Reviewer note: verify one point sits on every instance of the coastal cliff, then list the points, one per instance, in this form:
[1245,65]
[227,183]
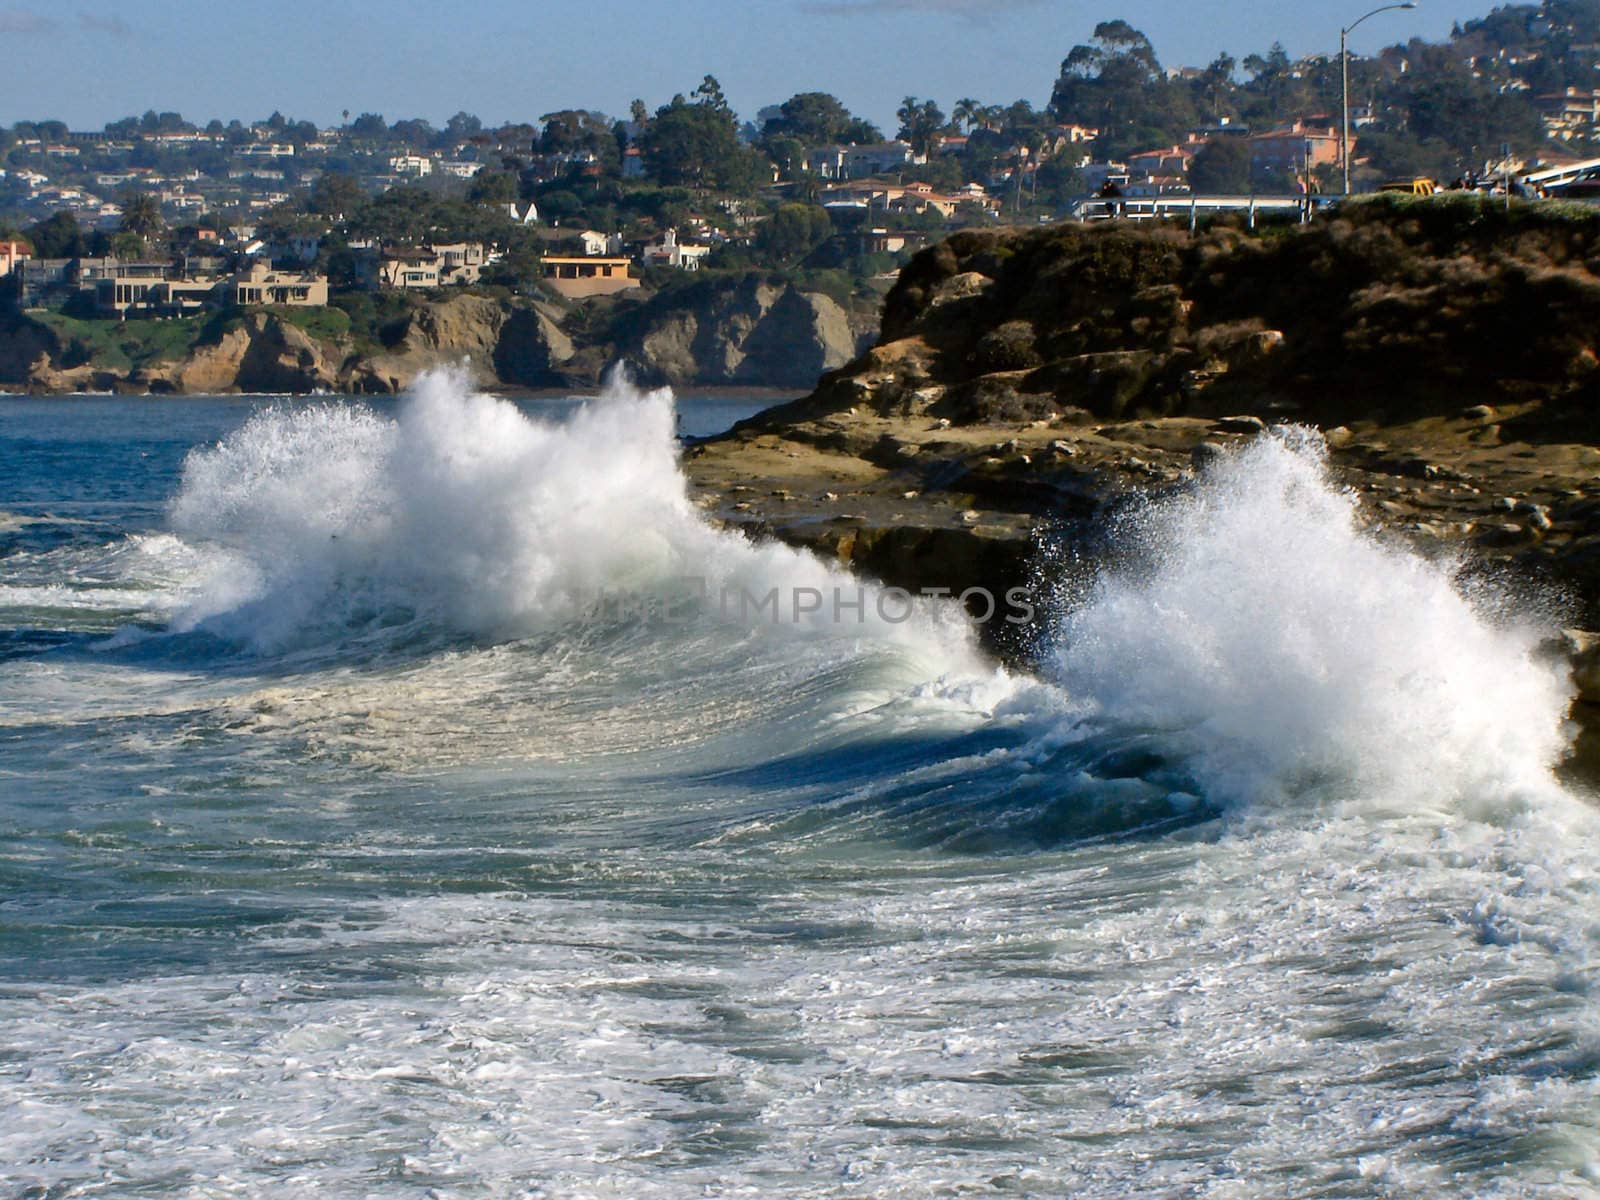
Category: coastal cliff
[743,330]
[1029,384]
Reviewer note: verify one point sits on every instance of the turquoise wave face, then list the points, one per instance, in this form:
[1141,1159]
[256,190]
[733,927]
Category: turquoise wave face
[336,852]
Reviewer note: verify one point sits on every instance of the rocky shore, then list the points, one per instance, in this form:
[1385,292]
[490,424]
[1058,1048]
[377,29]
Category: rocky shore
[1028,383]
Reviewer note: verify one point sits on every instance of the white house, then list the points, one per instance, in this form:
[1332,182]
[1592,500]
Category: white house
[597,243]
[668,252]
[416,165]
[523,213]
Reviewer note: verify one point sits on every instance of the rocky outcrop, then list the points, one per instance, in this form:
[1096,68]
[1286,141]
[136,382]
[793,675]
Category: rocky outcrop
[463,330]
[262,354]
[533,350]
[753,331]
[1036,380]
[27,348]
[1465,303]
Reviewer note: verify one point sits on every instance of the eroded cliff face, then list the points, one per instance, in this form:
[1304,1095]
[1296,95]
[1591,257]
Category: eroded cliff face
[752,331]
[264,354]
[749,332]
[1385,312]
[1029,384]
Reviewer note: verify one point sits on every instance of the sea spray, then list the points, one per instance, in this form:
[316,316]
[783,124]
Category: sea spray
[463,514]
[1285,644]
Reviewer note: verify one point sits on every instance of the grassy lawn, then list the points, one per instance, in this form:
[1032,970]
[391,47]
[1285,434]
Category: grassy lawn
[123,345]
[129,345]
[328,324]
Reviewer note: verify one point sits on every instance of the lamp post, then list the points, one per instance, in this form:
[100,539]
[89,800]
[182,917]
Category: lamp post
[1344,81]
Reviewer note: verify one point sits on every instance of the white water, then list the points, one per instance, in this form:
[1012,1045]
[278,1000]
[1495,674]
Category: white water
[404,883]
[1295,646]
[462,513]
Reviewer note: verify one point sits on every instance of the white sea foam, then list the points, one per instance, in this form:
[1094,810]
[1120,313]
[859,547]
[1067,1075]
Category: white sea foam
[464,513]
[1287,644]
[422,926]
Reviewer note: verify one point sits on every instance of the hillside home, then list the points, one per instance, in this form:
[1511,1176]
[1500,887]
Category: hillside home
[416,166]
[153,297]
[595,243]
[462,262]
[581,276]
[1289,149]
[1568,114]
[669,252]
[410,268]
[260,284]
[858,162]
[13,253]
[1170,160]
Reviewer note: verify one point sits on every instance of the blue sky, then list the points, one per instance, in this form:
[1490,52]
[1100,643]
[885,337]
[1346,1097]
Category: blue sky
[87,63]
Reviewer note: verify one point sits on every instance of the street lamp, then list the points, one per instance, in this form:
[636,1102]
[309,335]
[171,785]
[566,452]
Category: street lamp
[1344,80]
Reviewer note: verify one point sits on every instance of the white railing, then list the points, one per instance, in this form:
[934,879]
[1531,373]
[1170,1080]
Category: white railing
[1157,208]
[1556,176]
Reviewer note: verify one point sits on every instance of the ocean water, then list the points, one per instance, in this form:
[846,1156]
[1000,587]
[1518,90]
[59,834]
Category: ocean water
[387,809]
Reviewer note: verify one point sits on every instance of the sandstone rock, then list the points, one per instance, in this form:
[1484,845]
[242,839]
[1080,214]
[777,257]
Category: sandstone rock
[749,331]
[959,287]
[532,348]
[263,353]
[1583,651]
[1240,424]
[462,330]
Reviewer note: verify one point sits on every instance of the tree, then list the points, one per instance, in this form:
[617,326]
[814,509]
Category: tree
[574,131]
[709,95]
[493,187]
[1215,82]
[57,236]
[1222,167]
[127,244]
[860,132]
[1116,84]
[336,194]
[370,126]
[1057,181]
[814,118]
[695,144]
[965,113]
[920,123]
[789,154]
[141,215]
[414,132]
[463,126]
[793,232]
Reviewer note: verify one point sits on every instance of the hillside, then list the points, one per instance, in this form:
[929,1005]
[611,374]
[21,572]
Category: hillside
[745,329]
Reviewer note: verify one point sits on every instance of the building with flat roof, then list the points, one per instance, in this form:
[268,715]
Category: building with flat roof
[261,284]
[580,276]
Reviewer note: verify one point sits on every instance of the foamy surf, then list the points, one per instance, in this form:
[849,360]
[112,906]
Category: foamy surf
[462,513]
[373,880]
[1266,623]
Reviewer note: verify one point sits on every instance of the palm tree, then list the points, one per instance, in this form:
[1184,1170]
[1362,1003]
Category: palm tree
[965,111]
[141,215]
